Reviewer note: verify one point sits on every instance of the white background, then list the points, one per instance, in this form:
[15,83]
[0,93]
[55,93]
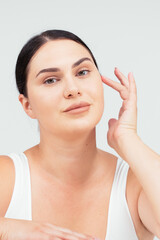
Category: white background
[121,33]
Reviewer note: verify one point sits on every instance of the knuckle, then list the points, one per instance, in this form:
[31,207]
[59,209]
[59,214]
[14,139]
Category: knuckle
[39,227]
[36,236]
[64,235]
[90,237]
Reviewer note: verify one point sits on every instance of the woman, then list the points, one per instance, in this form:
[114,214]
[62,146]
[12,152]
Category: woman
[68,187]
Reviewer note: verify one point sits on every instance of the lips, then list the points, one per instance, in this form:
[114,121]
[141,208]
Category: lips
[77,105]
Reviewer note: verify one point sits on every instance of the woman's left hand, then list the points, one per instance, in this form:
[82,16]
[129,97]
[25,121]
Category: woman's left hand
[126,125]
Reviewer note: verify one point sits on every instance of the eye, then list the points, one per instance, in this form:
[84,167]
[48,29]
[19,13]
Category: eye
[48,81]
[83,72]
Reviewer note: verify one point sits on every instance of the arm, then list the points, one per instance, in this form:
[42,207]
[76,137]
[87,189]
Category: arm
[11,229]
[143,161]
[145,164]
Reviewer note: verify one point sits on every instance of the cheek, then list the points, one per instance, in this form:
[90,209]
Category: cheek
[100,96]
[97,90]
[44,103]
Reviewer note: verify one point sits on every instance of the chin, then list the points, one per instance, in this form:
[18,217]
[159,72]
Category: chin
[75,133]
[84,125]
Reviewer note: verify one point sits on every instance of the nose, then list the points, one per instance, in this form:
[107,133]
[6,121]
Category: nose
[71,89]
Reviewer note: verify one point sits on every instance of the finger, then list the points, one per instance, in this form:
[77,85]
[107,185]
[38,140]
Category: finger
[63,235]
[60,234]
[123,91]
[121,77]
[132,87]
[73,233]
[67,233]
[120,112]
[115,85]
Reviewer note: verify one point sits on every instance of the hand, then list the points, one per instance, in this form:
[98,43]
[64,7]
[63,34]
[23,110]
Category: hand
[126,125]
[13,229]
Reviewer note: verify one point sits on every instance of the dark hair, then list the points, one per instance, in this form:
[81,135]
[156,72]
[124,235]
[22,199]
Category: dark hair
[30,49]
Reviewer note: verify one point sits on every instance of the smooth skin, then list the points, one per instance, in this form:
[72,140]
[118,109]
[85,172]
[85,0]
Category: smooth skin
[74,165]
[144,162]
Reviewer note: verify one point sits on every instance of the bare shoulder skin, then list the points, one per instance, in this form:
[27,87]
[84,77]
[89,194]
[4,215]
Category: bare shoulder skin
[7,176]
[133,188]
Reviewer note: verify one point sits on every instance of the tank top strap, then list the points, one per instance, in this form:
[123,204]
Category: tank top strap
[120,178]
[20,204]
[120,223]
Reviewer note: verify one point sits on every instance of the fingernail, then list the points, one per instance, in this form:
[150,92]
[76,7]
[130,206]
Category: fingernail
[132,74]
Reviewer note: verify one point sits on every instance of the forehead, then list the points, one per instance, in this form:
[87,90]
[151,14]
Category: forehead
[59,52]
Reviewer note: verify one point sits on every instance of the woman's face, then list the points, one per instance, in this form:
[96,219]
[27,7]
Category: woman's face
[59,76]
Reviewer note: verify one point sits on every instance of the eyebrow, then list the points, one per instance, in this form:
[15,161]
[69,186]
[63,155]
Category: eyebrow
[58,69]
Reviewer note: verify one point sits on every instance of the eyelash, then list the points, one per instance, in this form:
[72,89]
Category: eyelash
[76,75]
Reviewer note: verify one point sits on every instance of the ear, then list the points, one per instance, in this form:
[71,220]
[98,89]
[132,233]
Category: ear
[26,106]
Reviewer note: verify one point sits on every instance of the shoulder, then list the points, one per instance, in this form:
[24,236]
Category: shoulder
[106,156]
[108,162]
[6,167]
[7,179]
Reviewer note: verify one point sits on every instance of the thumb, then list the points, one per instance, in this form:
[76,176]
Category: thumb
[112,122]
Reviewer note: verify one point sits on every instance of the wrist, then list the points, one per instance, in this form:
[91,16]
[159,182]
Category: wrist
[127,138]
[127,145]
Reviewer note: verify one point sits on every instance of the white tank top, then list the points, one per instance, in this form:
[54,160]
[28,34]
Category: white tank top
[120,224]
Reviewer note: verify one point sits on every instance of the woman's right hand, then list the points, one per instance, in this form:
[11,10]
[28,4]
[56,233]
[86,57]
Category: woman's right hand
[14,229]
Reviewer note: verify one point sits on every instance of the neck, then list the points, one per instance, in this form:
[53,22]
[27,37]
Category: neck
[73,163]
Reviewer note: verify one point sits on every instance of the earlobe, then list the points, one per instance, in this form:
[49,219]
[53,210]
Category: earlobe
[26,106]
